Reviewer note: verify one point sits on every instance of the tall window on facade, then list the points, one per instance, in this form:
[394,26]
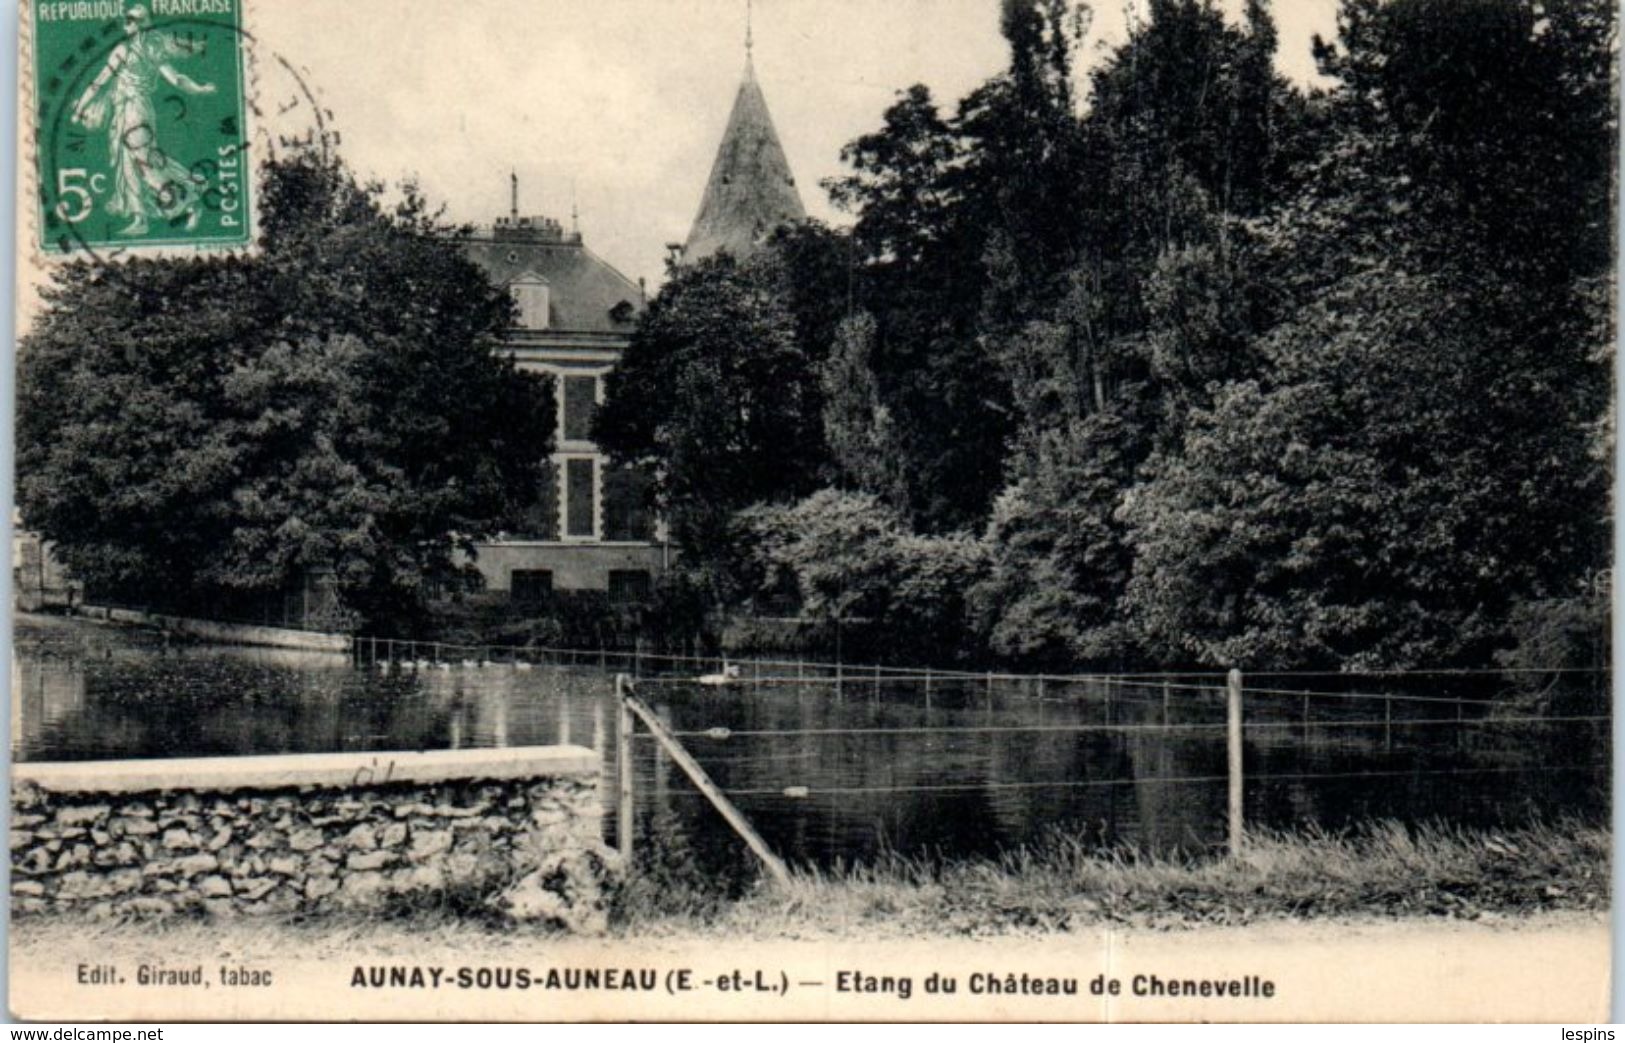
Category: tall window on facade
[579,508]
[530,296]
[628,515]
[580,403]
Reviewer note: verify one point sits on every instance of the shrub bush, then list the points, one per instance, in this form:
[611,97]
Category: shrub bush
[851,558]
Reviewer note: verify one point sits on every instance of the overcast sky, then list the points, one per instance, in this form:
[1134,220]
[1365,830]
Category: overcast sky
[626,99]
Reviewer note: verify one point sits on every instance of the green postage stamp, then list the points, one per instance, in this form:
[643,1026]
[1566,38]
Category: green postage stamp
[141,125]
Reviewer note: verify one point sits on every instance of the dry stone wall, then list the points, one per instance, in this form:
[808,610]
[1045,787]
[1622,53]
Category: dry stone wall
[515,831]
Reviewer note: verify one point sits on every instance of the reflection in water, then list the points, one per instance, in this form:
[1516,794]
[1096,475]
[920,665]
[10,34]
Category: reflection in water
[899,783]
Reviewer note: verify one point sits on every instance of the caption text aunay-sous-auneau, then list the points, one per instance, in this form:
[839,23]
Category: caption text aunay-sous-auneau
[759,981]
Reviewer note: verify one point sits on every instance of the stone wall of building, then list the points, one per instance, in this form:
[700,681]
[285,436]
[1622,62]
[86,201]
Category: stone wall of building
[515,830]
[575,566]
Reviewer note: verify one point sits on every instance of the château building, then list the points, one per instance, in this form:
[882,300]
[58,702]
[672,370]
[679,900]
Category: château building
[589,527]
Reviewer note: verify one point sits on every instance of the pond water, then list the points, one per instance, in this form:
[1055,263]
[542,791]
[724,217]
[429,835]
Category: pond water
[830,774]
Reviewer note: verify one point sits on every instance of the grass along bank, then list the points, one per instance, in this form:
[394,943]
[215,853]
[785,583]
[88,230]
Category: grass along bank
[1384,870]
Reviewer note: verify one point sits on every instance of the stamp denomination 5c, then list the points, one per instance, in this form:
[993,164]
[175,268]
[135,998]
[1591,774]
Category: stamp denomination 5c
[141,125]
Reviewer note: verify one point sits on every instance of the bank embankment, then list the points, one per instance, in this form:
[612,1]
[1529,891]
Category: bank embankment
[1383,871]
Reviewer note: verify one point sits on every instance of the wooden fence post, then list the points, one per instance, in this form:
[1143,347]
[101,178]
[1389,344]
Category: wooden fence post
[702,782]
[623,754]
[1234,729]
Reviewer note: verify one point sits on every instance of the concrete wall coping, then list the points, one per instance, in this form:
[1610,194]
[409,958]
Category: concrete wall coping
[278,771]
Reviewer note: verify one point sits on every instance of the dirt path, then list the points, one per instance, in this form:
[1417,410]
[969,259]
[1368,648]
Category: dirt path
[1546,968]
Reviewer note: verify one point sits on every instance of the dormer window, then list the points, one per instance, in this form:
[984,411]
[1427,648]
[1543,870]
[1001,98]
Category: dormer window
[530,295]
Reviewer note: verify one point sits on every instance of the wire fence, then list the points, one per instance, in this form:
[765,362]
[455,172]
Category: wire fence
[1255,738]
[874,734]
[1108,686]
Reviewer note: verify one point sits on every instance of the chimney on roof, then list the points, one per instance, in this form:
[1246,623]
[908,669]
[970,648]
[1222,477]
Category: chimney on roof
[513,195]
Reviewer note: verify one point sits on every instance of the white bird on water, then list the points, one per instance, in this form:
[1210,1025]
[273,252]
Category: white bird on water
[729,675]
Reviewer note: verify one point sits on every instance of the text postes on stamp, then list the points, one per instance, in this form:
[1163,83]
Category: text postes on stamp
[141,125]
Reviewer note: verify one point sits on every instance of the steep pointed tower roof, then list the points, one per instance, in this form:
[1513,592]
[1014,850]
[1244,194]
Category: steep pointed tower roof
[751,191]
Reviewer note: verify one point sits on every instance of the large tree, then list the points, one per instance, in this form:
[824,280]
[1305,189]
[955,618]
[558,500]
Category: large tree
[1185,140]
[719,398]
[189,430]
[964,225]
[1418,462]
[1492,125]
[858,427]
[1417,454]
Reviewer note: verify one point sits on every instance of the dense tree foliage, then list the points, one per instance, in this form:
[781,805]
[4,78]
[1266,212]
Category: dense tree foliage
[1417,454]
[854,562]
[1222,370]
[862,437]
[1412,468]
[1183,140]
[1144,355]
[957,236]
[719,398]
[188,429]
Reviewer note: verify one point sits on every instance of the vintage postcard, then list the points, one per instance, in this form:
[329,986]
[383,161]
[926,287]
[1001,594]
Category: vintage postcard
[988,510]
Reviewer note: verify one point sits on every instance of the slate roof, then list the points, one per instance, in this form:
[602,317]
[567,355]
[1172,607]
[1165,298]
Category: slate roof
[583,289]
[751,191]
